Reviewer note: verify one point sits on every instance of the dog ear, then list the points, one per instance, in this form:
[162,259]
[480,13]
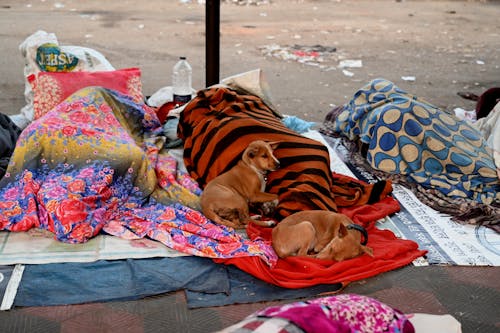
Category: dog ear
[274,144]
[342,230]
[367,250]
[252,152]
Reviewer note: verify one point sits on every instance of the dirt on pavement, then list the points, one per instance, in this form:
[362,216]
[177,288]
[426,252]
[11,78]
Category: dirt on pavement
[432,49]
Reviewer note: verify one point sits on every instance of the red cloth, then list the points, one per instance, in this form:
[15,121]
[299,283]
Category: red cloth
[299,272]
[51,88]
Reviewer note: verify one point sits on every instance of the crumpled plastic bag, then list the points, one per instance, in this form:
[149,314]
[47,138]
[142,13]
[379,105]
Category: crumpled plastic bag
[297,124]
[41,52]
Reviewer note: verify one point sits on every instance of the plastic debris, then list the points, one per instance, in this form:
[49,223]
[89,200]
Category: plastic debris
[200,2]
[347,73]
[248,2]
[236,2]
[297,124]
[408,78]
[351,63]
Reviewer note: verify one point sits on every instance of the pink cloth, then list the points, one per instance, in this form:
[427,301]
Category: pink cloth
[342,313]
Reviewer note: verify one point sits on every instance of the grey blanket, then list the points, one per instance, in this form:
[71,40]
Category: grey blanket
[9,133]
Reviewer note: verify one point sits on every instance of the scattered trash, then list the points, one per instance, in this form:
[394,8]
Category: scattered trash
[479,62]
[316,55]
[248,2]
[351,63]
[200,2]
[347,73]
[236,2]
[323,57]
[297,124]
[408,78]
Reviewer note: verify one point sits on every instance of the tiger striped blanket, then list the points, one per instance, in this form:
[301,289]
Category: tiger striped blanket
[217,126]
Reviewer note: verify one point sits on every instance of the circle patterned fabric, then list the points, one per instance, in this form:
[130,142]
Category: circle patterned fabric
[407,135]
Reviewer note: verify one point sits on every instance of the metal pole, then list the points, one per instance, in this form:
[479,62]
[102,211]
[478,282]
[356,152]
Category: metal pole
[212,41]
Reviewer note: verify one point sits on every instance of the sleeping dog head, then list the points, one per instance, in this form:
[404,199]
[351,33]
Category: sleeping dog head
[349,242]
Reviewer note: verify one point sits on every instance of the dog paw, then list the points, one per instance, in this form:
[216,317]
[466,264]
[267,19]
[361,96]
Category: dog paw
[268,207]
[269,223]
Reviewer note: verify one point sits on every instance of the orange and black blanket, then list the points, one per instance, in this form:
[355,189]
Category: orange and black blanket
[216,127]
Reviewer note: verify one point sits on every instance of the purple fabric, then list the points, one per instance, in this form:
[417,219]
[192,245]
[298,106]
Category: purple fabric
[312,319]
[342,313]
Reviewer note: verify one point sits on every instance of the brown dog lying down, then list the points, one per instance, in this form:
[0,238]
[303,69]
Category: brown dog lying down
[225,199]
[320,234]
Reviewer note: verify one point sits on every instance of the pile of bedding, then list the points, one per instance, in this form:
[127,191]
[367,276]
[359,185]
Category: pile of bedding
[217,126]
[406,139]
[98,161]
[95,164]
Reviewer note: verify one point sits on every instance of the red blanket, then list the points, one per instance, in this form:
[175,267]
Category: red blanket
[299,272]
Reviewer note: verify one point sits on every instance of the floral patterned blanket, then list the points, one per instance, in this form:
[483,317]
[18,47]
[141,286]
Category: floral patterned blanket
[97,163]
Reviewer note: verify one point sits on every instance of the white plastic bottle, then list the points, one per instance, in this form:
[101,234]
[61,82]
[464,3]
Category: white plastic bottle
[181,82]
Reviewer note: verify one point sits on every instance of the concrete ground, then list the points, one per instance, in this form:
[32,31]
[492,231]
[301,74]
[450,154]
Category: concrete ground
[432,49]
[446,46]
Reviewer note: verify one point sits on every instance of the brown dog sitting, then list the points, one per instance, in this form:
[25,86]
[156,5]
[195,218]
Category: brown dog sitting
[320,234]
[225,199]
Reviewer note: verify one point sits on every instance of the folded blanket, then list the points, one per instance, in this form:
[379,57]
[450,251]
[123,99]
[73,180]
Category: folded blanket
[401,134]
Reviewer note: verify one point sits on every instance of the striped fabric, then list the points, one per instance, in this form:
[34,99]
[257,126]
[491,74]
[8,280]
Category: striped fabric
[218,124]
